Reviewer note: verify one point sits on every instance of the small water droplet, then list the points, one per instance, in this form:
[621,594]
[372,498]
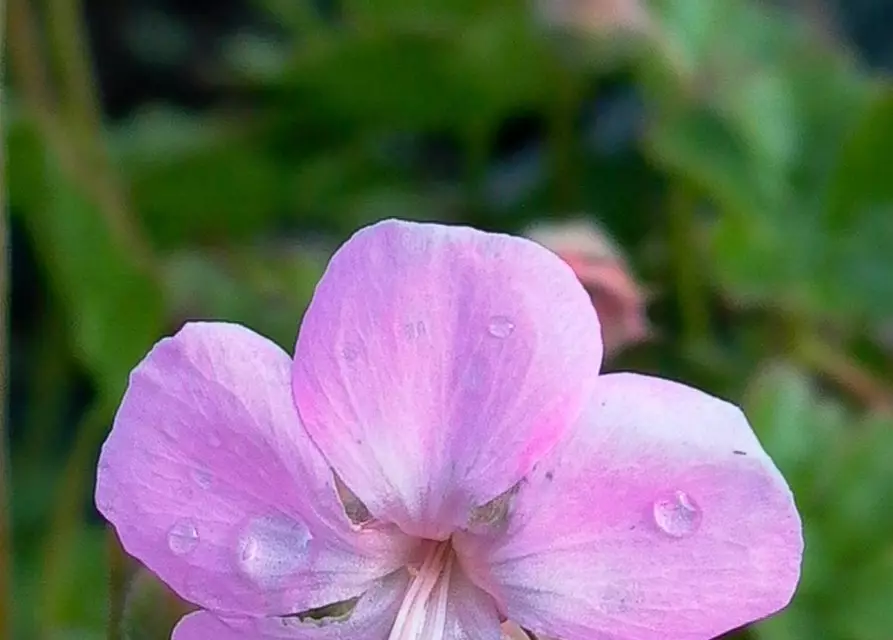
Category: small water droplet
[202,478]
[272,548]
[500,327]
[105,504]
[677,515]
[214,440]
[415,330]
[182,538]
[350,352]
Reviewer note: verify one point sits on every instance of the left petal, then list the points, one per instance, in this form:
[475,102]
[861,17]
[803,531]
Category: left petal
[662,517]
[436,365]
[212,483]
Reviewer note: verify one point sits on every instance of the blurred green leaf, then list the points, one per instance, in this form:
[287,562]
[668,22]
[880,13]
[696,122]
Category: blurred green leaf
[864,610]
[859,215]
[80,609]
[151,609]
[114,307]
[783,408]
[838,467]
[863,182]
[199,181]
[262,286]
[426,73]
[698,145]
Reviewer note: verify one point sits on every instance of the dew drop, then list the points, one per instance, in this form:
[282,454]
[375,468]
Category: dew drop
[202,478]
[350,352]
[272,548]
[500,327]
[105,504]
[182,538]
[214,440]
[677,515]
[415,330]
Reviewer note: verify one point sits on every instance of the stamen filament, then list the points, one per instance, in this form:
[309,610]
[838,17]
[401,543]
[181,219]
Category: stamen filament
[422,614]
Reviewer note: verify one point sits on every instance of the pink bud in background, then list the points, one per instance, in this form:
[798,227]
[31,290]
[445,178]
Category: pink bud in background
[595,16]
[602,270]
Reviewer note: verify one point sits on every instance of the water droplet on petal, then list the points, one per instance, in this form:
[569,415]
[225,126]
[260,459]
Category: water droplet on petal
[272,548]
[677,515]
[202,478]
[182,538]
[415,330]
[214,440]
[500,327]
[350,352]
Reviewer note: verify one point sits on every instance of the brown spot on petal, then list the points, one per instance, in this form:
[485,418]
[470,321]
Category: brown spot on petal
[354,509]
[493,514]
[511,631]
[321,616]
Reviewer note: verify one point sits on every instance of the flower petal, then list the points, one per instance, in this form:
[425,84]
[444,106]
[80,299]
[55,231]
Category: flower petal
[437,364]
[661,518]
[470,613]
[201,625]
[212,483]
[371,619]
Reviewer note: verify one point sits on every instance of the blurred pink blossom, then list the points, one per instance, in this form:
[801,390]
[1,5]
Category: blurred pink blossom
[600,267]
[596,16]
[440,456]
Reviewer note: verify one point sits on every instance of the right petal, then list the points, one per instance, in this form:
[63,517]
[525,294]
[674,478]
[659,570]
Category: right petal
[371,619]
[211,481]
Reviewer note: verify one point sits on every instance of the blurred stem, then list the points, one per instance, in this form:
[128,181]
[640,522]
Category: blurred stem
[6,568]
[77,476]
[842,370]
[693,305]
[119,575]
[49,387]
[76,140]
[68,44]
[562,126]
[72,133]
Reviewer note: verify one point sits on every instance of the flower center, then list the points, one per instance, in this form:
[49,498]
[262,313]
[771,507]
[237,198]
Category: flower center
[423,611]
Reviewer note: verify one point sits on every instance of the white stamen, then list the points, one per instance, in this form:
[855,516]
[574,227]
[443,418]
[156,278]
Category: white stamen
[422,615]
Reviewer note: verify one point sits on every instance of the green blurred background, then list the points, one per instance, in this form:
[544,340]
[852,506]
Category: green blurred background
[185,159]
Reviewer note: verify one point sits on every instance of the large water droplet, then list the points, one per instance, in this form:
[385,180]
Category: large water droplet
[677,515]
[500,327]
[182,538]
[272,547]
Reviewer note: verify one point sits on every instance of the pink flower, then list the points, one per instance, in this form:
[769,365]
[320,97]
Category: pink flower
[603,272]
[440,456]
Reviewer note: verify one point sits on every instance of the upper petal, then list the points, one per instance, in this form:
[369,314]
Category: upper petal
[212,483]
[661,518]
[437,364]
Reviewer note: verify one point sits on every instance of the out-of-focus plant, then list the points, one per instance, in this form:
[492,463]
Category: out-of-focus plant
[746,174]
